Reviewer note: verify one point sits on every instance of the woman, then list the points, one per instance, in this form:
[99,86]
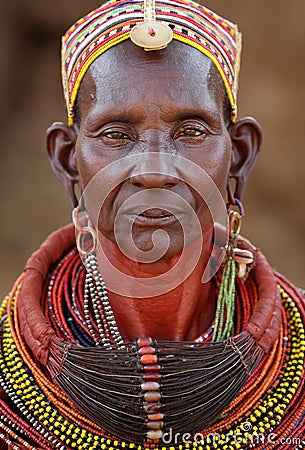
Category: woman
[174,331]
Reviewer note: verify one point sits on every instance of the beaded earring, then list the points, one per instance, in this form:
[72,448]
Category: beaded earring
[98,313]
[238,263]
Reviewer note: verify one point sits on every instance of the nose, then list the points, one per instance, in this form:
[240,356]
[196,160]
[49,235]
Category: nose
[154,170]
[152,180]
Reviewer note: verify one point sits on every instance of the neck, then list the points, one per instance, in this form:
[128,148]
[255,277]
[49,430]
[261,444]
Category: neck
[182,313]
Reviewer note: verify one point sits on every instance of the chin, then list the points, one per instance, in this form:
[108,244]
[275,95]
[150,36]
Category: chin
[157,247]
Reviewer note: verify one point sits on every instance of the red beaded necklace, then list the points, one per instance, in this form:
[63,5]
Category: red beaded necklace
[248,406]
[212,369]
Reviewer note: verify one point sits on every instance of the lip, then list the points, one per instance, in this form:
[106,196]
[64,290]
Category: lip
[143,215]
[152,217]
[154,221]
[155,213]
[144,210]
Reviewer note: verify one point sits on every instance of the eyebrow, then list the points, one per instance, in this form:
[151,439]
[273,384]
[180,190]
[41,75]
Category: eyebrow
[135,114]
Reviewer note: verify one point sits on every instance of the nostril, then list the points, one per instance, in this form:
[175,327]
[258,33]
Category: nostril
[154,180]
[170,185]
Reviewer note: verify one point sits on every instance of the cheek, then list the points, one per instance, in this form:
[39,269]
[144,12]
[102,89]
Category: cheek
[211,198]
[89,161]
[219,172]
[214,159]
[99,190]
[85,166]
[92,157]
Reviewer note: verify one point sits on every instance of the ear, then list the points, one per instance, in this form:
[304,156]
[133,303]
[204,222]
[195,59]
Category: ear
[60,145]
[246,137]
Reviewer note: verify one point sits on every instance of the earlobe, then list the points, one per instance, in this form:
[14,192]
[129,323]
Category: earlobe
[60,145]
[246,137]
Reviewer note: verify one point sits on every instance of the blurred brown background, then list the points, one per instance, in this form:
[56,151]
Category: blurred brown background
[271,89]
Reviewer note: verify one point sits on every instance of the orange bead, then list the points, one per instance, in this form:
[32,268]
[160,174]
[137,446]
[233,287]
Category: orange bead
[150,386]
[144,342]
[148,359]
[151,408]
[155,425]
[152,396]
[147,351]
[152,368]
[157,416]
[151,376]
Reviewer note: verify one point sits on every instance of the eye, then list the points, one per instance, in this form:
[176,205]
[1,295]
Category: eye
[115,135]
[191,130]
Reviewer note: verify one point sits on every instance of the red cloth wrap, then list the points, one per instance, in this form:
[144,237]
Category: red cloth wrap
[265,322]
[34,327]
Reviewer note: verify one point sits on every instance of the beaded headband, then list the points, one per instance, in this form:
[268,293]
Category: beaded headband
[118,20]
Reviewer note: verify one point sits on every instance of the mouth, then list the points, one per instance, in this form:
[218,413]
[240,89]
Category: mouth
[155,213]
[154,217]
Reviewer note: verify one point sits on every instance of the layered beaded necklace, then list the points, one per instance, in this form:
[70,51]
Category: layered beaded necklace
[269,402]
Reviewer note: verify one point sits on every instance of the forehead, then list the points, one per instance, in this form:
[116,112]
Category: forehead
[178,74]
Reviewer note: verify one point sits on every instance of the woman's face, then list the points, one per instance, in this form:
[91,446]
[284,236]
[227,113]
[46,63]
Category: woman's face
[159,117]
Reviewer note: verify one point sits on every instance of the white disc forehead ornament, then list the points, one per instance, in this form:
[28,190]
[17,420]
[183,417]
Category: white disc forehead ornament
[150,34]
